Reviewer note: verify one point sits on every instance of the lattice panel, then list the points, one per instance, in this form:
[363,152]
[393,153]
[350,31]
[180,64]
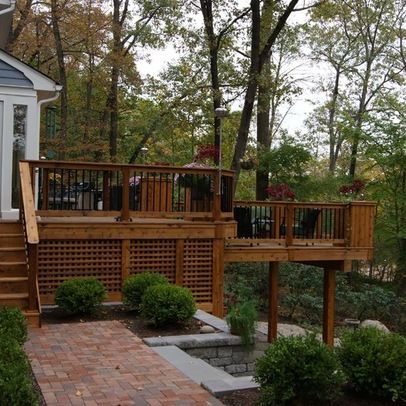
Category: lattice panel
[153,255]
[61,260]
[198,269]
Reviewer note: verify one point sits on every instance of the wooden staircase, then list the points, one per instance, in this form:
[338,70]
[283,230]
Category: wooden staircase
[14,289]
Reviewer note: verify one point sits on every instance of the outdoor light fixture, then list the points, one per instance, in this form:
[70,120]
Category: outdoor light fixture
[220,112]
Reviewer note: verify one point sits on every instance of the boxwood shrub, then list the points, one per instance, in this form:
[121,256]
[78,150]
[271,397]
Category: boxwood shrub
[13,324]
[298,370]
[375,362]
[80,295]
[15,379]
[15,373]
[136,285]
[165,303]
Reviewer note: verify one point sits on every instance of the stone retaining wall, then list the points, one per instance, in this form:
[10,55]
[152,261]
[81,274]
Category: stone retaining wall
[237,360]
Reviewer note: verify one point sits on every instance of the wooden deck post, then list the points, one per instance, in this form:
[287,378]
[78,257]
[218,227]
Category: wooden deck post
[218,277]
[273,301]
[32,276]
[329,306]
[125,208]
[290,211]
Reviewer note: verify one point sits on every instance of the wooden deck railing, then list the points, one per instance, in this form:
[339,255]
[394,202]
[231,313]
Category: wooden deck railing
[125,191]
[287,223]
[31,236]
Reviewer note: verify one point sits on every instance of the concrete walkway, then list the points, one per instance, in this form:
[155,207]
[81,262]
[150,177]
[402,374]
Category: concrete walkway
[103,363]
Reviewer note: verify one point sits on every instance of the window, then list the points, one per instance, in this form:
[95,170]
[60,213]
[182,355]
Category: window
[19,143]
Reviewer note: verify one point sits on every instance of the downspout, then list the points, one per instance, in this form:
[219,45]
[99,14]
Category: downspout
[8,9]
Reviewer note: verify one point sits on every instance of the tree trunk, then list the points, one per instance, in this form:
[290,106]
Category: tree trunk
[55,15]
[249,99]
[258,59]
[213,42]
[334,150]
[263,131]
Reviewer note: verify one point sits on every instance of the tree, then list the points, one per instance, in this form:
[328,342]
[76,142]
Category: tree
[386,147]
[332,44]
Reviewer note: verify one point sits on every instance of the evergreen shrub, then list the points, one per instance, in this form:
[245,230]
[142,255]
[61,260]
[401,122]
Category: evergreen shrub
[80,295]
[375,362]
[136,285]
[298,370]
[165,303]
[13,324]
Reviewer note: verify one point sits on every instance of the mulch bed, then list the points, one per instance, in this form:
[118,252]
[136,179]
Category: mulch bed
[130,319]
[251,397]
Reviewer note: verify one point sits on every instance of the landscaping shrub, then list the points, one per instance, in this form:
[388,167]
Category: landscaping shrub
[298,370]
[375,362]
[241,319]
[13,324]
[165,303]
[136,285]
[80,295]
[15,380]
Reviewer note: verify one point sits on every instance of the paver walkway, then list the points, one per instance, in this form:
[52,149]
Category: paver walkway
[103,363]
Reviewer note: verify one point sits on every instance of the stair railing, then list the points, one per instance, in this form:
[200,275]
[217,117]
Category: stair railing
[31,236]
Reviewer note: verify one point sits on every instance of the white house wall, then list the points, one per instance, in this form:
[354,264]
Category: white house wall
[8,99]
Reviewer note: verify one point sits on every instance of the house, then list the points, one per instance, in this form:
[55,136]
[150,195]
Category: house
[23,91]
[111,221]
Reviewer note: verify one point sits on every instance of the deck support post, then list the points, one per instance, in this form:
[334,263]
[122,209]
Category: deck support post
[273,301]
[218,277]
[329,306]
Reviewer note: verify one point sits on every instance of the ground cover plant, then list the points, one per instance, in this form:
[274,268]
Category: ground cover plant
[301,370]
[80,295]
[15,373]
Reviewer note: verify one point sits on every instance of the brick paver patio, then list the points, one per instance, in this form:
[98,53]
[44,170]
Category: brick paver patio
[103,363]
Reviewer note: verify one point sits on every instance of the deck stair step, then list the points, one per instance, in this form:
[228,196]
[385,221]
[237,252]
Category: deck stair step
[12,254]
[11,240]
[13,269]
[14,284]
[19,300]
[10,227]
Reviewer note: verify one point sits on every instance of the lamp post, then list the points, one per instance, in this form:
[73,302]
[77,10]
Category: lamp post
[221,113]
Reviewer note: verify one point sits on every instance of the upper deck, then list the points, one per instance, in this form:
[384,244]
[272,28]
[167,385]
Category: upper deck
[111,221]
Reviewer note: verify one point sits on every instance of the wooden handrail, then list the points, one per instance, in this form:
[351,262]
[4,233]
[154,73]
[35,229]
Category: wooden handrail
[27,204]
[348,224]
[119,167]
[129,189]
[31,235]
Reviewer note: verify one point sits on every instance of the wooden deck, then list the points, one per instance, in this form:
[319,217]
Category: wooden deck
[113,221]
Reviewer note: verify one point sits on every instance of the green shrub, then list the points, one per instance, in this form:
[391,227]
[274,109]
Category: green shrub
[13,324]
[298,369]
[80,295]
[164,304]
[15,379]
[135,287]
[375,362]
[241,319]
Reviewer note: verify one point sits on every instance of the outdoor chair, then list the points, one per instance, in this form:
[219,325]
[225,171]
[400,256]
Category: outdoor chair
[305,225]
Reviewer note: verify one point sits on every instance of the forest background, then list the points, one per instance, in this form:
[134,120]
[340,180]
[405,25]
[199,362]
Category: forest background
[246,56]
